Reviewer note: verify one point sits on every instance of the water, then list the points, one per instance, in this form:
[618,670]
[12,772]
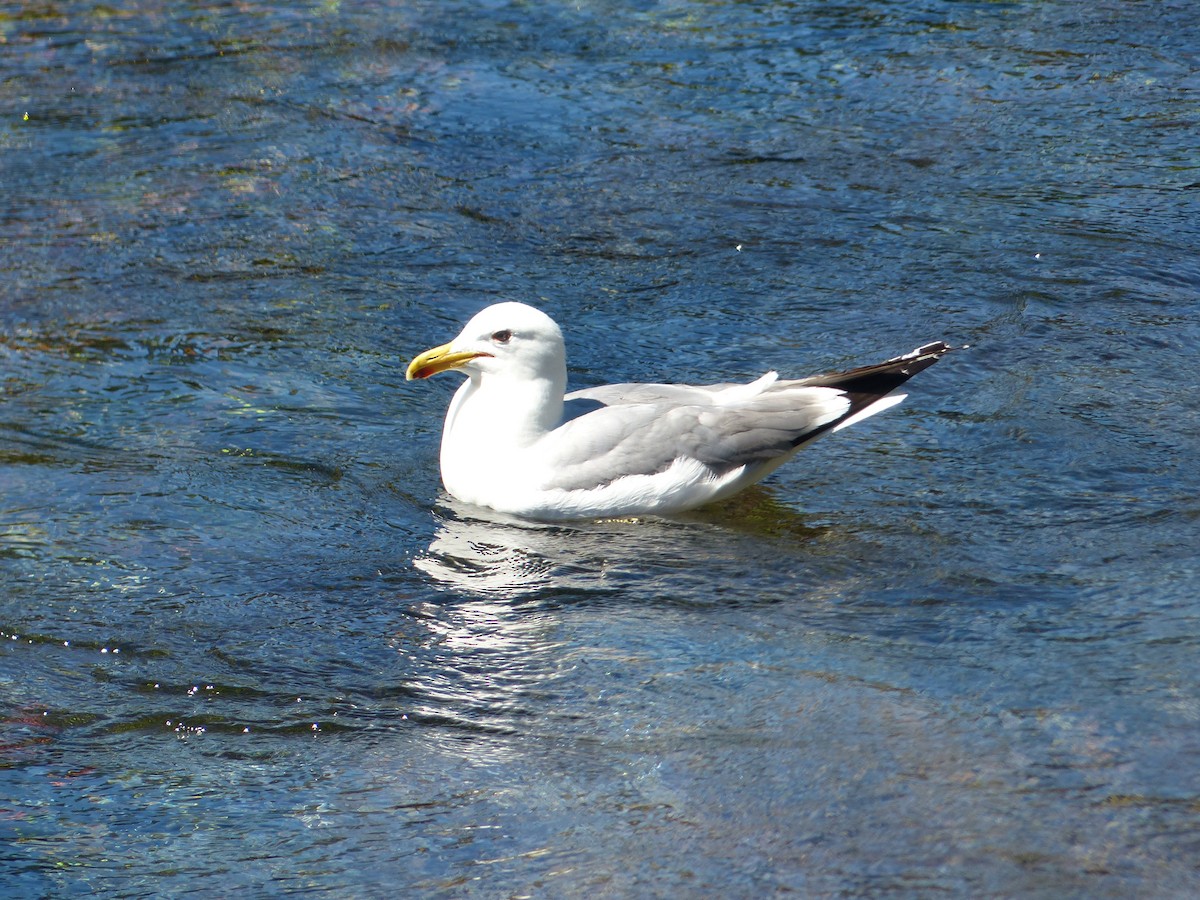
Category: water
[247,644]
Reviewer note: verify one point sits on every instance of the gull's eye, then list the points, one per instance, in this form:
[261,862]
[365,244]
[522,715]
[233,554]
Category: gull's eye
[502,337]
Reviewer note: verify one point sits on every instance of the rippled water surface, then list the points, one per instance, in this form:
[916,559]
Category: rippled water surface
[248,644]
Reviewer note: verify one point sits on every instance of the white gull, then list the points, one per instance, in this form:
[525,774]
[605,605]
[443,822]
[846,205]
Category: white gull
[515,442]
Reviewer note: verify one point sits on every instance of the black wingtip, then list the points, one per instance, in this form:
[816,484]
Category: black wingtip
[920,359]
[883,378]
[867,385]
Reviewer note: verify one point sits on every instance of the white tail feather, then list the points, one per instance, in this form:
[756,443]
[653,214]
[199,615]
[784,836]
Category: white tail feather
[885,402]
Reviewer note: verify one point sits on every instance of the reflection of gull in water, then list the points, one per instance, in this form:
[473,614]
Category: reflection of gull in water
[488,553]
[488,660]
[482,552]
[485,659]
[481,667]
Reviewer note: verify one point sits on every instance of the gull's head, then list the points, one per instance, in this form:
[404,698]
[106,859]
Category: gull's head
[509,339]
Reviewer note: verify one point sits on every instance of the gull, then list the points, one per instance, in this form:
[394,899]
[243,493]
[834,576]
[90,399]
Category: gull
[514,441]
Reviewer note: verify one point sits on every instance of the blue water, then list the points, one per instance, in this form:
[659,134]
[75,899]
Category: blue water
[247,644]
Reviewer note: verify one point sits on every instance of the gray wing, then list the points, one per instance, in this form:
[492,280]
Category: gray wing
[670,394]
[645,438]
[641,429]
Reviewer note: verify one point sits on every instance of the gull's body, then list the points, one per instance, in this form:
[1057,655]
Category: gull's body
[516,442]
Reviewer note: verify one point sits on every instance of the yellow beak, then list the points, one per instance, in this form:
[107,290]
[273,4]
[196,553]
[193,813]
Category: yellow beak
[439,359]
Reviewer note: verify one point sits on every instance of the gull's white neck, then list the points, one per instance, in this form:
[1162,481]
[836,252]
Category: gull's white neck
[492,417]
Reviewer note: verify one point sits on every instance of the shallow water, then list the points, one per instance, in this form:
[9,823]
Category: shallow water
[248,643]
